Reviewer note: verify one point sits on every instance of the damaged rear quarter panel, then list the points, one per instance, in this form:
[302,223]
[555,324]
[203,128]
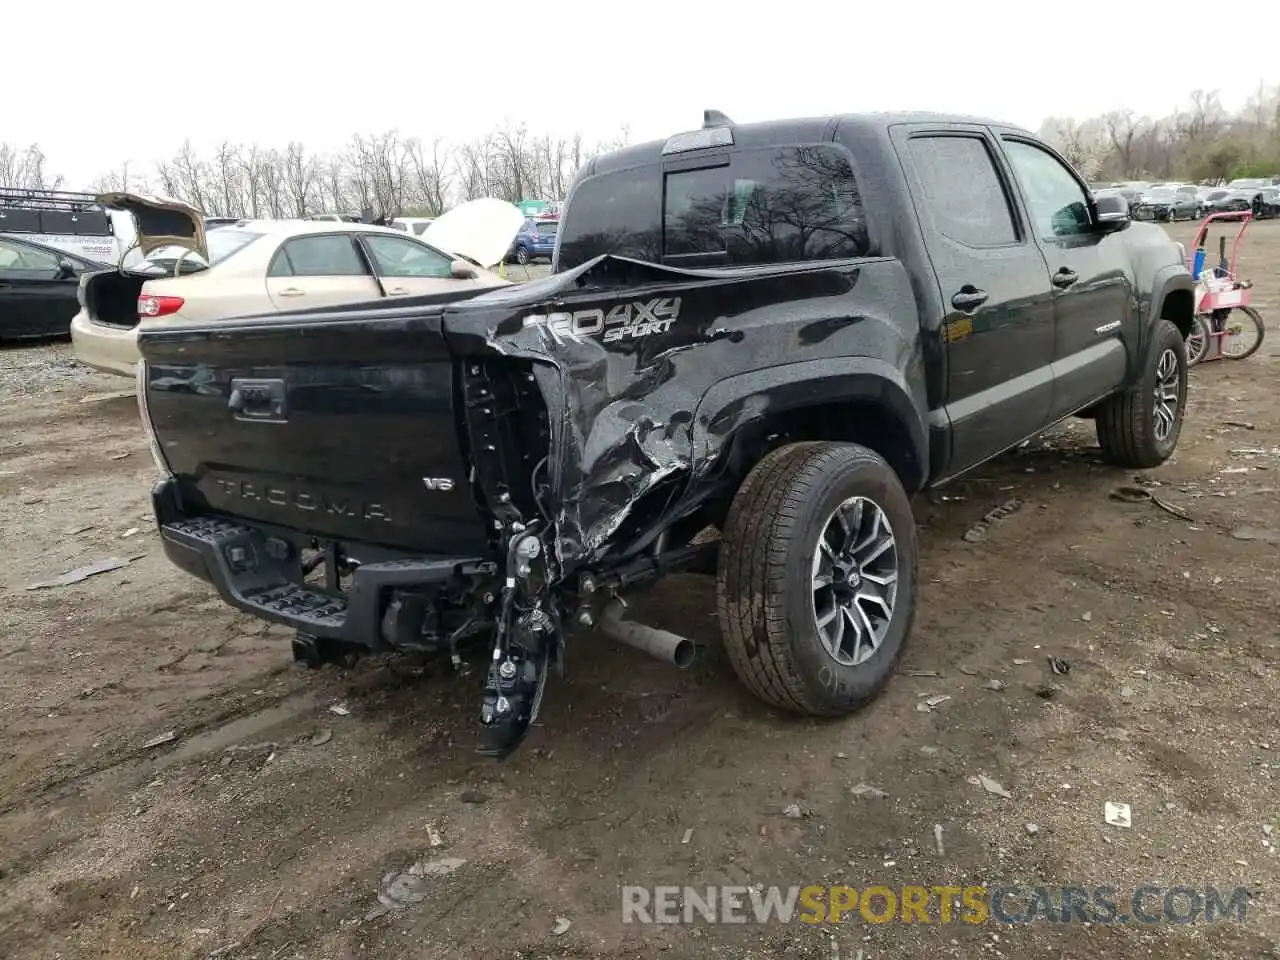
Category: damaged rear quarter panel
[626,368]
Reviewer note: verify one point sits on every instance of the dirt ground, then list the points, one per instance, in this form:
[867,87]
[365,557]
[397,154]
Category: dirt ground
[263,827]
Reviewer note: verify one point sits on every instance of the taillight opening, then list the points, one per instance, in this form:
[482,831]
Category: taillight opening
[150,305]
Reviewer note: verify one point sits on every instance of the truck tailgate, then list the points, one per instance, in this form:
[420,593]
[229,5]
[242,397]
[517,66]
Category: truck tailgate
[339,428]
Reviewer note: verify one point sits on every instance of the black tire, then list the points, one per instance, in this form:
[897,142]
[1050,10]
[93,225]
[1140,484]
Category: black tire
[1250,316]
[765,590]
[1198,340]
[522,256]
[1126,423]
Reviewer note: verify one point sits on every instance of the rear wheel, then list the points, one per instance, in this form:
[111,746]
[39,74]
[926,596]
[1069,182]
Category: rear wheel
[522,256]
[1139,427]
[1244,333]
[816,588]
[1198,341]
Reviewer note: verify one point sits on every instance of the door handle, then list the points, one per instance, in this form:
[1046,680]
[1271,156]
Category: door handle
[292,292]
[969,299]
[1065,278]
[396,291]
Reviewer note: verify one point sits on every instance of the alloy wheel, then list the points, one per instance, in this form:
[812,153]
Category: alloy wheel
[855,581]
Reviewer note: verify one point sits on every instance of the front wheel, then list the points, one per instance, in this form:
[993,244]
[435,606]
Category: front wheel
[1198,341]
[1243,333]
[522,256]
[1138,428]
[816,588]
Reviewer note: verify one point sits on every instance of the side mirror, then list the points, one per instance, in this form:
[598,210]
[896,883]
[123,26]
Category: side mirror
[461,270]
[1112,213]
[66,269]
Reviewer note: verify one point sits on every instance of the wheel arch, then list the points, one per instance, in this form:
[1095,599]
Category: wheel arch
[854,399]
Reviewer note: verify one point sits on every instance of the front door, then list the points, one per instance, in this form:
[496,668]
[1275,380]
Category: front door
[1095,311]
[409,268]
[998,329]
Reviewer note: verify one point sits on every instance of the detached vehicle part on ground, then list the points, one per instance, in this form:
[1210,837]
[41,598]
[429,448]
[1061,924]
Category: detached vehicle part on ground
[758,342]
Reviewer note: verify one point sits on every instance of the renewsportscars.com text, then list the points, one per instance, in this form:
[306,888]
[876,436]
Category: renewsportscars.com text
[937,904]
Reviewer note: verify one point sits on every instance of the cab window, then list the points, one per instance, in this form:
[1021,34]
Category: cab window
[1058,204]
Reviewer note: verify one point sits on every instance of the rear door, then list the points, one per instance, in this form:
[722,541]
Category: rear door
[408,268]
[320,270]
[998,330]
[1094,315]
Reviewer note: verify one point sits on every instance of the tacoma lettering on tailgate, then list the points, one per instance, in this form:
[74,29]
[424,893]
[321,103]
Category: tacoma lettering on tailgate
[303,500]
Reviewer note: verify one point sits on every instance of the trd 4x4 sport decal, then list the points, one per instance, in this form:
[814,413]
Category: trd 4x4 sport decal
[624,321]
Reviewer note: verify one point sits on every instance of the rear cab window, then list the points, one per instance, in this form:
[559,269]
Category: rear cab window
[764,205]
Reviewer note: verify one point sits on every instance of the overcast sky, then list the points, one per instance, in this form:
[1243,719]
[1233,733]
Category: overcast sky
[274,70]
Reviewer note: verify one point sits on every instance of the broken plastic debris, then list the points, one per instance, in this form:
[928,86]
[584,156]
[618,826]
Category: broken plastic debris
[562,927]
[994,684]
[978,532]
[1117,814]
[1059,666]
[924,706]
[991,786]
[1020,661]
[868,791]
[937,838]
[128,533]
[82,573]
[688,835]
[1032,829]
[161,739]
[1126,692]
[792,811]
[340,709]
[113,395]
[400,889]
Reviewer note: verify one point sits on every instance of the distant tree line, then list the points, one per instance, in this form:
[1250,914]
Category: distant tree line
[1199,141]
[384,174]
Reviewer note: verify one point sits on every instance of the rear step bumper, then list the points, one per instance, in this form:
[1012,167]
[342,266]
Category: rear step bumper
[253,573]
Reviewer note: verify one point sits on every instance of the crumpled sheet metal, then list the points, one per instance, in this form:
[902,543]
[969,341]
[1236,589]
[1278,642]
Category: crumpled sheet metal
[623,408]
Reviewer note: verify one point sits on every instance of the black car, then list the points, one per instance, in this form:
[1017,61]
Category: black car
[781,331]
[38,288]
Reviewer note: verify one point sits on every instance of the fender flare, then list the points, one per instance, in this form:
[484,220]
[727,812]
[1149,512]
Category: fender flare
[1168,279]
[735,402]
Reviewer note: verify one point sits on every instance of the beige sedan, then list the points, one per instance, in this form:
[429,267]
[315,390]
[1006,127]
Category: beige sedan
[258,267]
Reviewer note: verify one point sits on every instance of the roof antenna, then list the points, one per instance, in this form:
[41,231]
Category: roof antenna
[714,118]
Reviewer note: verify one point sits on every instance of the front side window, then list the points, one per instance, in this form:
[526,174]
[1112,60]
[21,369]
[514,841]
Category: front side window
[323,255]
[963,192]
[1059,206]
[396,257]
[774,205]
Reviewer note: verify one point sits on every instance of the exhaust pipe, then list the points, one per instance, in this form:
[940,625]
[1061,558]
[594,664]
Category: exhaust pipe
[667,647]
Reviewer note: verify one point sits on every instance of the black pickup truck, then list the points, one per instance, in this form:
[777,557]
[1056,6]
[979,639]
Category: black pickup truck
[758,342]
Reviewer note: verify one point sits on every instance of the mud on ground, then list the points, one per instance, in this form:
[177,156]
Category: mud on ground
[264,826]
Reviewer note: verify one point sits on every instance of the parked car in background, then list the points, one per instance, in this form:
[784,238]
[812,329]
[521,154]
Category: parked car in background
[255,267]
[1268,204]
[414,225]
[38,288]
[1167,203]
[1226,200]
[535,241]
